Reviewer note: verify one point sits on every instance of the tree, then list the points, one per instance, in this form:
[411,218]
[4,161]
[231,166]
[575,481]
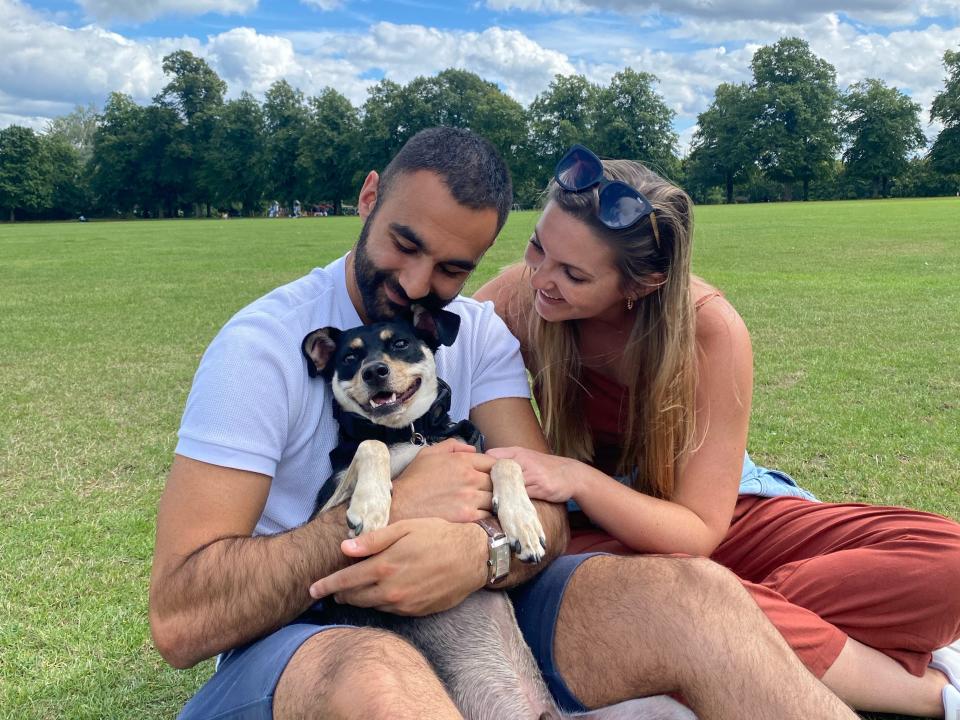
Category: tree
[23,182]
[236,166]
[66,175]
[723,148]
[138,155]
[328,158]
[945,153]
[631,120]
[285,116]
[195,93]
[882,127]
[563,115]
[797,100]
[77,129]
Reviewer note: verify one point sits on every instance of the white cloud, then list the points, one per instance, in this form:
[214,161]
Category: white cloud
[143,10]
[49,68]
[887,12]
[402,52]
[323,4]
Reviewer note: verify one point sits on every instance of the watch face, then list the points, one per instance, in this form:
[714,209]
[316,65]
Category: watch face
[500,559]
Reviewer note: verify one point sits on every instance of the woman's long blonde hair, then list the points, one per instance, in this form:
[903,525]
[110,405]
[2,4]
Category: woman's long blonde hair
[661,346]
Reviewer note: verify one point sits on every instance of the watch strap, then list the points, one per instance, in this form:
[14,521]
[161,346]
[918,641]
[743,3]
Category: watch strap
[491,526]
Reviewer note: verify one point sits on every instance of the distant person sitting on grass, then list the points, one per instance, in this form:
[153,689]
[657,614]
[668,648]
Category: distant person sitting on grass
[240,558]
[644,375]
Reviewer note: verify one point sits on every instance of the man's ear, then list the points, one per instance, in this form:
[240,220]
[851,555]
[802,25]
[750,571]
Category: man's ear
[435,329]
[368,195]
[318,348]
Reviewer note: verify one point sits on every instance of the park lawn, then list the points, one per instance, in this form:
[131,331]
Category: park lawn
[854,309]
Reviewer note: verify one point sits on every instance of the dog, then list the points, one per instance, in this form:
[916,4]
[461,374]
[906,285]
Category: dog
[389,404]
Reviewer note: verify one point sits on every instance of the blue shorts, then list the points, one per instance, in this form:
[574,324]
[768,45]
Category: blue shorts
[243,686]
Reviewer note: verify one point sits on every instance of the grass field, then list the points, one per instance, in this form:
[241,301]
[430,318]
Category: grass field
[854,310]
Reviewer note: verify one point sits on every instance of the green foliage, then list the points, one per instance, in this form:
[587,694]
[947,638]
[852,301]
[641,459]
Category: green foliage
[329,147]
[882,128]
[633,121]
[24,174]
[723,145]
[945,153]
[234,169]
[797,95]
[286,115]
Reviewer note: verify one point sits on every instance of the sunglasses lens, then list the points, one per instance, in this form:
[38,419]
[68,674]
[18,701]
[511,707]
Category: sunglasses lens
[579,169]
[621,206]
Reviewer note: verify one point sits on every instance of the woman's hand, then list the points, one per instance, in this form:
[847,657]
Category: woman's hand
[547,477]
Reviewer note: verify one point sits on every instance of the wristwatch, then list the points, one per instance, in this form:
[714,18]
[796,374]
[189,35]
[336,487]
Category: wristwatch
[498,564]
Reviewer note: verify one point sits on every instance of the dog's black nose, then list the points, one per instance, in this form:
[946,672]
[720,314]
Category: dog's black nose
[375,372]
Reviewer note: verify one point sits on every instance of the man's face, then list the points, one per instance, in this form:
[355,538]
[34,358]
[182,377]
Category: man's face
[418,245]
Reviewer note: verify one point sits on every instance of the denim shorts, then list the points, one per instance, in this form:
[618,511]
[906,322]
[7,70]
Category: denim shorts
[537,606]
[243,686]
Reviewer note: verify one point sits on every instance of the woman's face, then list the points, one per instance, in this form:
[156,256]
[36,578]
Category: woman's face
[572,270]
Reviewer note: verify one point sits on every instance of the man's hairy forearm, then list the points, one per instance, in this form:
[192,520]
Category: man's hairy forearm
[235,589]
[553,518]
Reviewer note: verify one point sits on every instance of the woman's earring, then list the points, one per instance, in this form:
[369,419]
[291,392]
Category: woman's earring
[629,304]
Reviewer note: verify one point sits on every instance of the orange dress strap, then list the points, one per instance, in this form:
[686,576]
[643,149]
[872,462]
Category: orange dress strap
[706,298]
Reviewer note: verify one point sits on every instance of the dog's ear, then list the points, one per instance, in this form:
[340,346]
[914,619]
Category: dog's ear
[318,348]
[435,329]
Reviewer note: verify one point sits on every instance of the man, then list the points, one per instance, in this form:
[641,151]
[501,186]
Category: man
[236,552]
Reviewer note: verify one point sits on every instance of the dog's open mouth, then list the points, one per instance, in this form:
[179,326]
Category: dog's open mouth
[385,401]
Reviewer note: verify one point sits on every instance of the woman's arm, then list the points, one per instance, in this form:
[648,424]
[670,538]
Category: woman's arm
[696,519]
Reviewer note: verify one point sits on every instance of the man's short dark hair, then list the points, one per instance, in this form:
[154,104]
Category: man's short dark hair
[468,164]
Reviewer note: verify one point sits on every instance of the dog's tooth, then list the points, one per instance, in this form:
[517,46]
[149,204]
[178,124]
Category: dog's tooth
[393,398]
[372,403]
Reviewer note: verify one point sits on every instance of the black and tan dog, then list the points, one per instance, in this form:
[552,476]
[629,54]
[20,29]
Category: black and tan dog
[389,404]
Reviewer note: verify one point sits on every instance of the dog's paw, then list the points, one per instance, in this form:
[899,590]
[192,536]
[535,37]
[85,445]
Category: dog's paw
[516,513]
[369,508]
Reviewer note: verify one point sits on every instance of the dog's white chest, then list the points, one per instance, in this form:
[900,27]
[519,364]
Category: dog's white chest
[401,455]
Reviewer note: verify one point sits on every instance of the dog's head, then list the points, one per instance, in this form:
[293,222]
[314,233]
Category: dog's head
[385,371]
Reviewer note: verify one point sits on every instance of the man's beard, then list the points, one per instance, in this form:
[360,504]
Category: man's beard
[371,281]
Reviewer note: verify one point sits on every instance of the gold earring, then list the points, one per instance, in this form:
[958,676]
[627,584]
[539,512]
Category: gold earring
[629,304]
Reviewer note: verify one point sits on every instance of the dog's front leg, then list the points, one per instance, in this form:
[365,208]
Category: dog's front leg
[369,475]
[516,513]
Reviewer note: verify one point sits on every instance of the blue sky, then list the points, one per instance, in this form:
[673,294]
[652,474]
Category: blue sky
[61,53]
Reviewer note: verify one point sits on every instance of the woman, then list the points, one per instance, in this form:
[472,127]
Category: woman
[643,375]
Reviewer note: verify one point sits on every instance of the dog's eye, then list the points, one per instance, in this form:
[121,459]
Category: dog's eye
[349,358]
[400,344]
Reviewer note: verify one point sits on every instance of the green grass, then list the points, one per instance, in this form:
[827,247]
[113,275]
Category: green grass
[854,310]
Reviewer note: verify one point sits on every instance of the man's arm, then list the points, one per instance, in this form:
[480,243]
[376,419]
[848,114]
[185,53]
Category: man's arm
[213,586]
[512,422]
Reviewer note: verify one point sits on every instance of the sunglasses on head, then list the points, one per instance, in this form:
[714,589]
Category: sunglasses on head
[619,205]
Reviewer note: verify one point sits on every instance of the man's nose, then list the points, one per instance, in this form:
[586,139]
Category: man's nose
[415,281]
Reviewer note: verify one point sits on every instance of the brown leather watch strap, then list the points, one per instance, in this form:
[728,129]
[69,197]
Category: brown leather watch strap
[492,527]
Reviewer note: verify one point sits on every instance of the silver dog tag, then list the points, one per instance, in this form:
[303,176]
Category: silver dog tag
[418,439]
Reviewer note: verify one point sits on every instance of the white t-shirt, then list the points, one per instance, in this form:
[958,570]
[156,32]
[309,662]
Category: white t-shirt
[254,407]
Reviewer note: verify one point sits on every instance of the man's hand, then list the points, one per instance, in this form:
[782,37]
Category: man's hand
[411,567]
[449,480]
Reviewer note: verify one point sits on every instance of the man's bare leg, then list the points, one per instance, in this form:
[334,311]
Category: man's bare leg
[360,674]
[644,625]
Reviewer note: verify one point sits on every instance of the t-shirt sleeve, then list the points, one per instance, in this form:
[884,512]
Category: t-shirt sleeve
[245,395]
[498,370]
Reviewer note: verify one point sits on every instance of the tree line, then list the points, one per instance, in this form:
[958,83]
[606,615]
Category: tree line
[191,152]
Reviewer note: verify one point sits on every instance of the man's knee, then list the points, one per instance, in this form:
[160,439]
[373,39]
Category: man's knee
[347,673]
[666,582]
